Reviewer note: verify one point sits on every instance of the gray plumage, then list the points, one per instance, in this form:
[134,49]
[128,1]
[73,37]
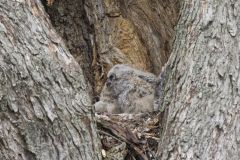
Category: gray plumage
[127,90]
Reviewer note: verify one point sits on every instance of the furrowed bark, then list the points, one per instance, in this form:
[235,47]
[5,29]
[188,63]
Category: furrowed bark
[45,108]
[201,95]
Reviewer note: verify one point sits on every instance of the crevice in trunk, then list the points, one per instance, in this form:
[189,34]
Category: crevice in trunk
[102,33]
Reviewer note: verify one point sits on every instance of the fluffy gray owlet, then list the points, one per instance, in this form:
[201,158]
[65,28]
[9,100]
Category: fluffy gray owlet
[127,90]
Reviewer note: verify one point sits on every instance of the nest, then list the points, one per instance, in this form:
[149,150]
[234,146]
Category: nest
[129,136]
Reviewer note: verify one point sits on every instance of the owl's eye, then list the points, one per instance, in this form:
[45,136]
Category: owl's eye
[112,77]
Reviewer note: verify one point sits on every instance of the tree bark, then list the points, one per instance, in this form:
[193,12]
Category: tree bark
[201,84]
[71,21]
[45,108]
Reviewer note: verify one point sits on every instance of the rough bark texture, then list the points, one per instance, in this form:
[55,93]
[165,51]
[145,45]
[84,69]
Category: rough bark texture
[102,33]
[45,108]
[201,87]
[71,22]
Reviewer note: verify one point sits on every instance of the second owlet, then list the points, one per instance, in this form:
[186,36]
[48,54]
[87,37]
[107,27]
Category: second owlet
[127,90]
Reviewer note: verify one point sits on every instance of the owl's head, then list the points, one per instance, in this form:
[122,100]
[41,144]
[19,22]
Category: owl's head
[118,72]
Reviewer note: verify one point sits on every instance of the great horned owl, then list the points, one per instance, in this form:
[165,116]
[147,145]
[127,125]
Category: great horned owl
[127,90]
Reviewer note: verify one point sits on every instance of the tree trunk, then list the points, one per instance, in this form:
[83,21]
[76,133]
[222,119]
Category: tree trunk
[201,84]
[45,108]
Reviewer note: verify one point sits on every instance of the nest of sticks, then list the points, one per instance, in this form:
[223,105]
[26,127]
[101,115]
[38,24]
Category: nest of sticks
[129,136]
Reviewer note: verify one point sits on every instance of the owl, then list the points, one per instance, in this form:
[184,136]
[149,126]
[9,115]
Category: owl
[127,90]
